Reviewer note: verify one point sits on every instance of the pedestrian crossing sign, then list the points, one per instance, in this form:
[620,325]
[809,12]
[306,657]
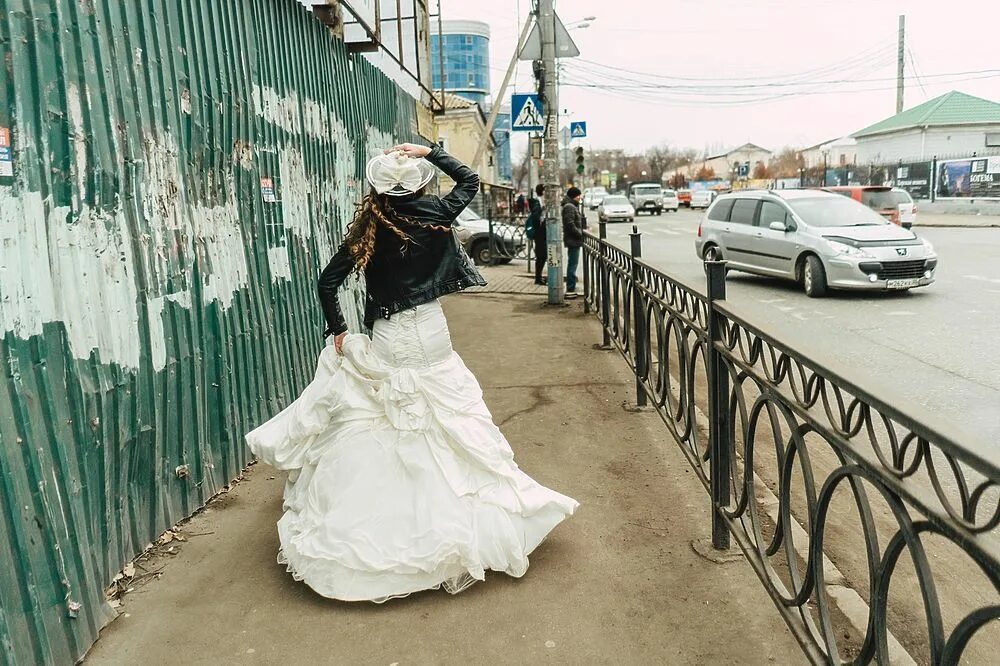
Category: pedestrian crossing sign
[578,130]
[527,113]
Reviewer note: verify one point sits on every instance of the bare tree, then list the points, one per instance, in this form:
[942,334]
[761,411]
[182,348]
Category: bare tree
[786,163]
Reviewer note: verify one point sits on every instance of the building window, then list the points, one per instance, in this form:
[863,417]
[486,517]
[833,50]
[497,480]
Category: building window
[993,139]
[468,39]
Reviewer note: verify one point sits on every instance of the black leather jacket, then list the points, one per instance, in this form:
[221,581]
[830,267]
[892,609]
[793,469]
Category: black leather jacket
[401,278]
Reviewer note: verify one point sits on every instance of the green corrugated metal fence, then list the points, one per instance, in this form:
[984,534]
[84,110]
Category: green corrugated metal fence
[179,172]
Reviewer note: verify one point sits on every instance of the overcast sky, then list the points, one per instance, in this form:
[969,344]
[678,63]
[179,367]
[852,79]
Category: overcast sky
[710,73]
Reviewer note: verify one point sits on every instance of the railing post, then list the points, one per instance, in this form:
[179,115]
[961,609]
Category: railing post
[605,278]
[720,445]
[640,334]
[933,178]
[588,279]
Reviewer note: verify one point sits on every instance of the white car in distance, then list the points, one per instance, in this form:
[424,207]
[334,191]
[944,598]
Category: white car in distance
[593,196]
[615,208]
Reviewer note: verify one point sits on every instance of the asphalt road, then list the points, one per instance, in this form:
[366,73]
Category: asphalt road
[935,346]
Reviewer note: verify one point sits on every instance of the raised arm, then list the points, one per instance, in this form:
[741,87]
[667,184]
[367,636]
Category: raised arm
[466,182]
[329,282]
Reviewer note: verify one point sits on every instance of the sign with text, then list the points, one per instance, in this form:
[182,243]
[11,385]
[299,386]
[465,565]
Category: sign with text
[915,178]
[973,178]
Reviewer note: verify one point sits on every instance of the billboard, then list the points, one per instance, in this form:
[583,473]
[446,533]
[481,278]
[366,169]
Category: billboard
[915,178]
[973,178]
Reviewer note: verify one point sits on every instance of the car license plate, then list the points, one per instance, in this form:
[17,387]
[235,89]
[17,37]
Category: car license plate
[902,284]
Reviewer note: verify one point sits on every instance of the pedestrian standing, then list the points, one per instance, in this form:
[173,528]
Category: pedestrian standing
[573,226]
[534,228]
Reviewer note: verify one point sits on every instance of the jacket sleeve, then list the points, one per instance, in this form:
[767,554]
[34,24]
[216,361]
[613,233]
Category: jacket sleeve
[466,183]
[329,282]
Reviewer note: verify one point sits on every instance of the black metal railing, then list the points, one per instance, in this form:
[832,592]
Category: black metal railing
[829,489]
[507,238]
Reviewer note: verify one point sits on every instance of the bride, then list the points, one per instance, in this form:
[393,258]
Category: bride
[398,479]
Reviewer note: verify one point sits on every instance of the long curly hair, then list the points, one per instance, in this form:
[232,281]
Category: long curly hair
[373,210]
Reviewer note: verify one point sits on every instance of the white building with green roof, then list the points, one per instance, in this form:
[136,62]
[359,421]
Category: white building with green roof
[952,125]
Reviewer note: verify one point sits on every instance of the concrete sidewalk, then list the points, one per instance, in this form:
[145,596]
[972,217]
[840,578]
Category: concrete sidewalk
[618,583]
[956,220]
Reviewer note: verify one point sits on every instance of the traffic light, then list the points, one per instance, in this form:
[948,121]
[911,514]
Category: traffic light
[580,167]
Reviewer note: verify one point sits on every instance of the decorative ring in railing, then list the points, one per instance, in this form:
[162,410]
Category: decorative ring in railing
[831,492]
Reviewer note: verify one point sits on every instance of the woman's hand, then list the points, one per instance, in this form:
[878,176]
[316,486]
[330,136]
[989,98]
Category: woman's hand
[338,342]
[410,150]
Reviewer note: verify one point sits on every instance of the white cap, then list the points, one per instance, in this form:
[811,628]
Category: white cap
[397,175]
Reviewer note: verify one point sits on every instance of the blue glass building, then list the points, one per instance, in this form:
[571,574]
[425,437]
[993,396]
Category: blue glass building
[501,136]
[465,49]
[465,46]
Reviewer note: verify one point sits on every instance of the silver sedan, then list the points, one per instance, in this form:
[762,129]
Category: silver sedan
[822,240]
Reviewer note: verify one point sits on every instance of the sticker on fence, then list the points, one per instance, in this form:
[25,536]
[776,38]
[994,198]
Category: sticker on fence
[6,154]
[267,190]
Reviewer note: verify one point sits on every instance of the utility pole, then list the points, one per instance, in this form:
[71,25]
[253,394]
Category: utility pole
[550,170]
[899,63]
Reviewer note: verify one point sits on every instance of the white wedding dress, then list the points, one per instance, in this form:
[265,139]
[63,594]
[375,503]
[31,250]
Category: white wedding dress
[398,479]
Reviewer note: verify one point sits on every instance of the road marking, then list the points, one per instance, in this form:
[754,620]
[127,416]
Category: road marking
[901,313]
[785,308]
[772,300]
[801,316]
[980,278]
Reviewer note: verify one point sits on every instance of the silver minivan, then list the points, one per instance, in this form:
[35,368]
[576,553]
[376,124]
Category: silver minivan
[822,240]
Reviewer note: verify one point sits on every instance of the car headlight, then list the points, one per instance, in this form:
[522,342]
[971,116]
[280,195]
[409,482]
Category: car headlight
[848,250]
[927,246]
[457,227]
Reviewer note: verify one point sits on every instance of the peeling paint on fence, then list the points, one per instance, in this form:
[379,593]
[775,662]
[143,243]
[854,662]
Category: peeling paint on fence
[153,306]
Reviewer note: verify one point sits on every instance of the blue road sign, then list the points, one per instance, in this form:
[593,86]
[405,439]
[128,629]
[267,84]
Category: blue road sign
[578,130]
[527,114]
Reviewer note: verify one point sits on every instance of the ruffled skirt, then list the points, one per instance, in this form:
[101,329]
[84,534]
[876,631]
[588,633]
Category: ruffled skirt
[399,481]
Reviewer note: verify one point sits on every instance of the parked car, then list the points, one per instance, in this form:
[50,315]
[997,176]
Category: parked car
[892,203]
[615,208]
[670,201]
[592,197]
[646,197]
[819,239]
[702,198]
[684,197]
[473,233]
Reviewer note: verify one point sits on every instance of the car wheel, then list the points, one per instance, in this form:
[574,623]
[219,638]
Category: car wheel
[481,253]
[814,277]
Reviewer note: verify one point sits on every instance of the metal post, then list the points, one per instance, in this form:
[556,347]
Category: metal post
[900,60]
[933,178]
[605,288]
[640,333]
[550,175]
[588,286]
[488,130]
[720,444]
[491,240]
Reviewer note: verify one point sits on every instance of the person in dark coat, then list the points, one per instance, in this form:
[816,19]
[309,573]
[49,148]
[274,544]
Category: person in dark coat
[534,228]
[573,225]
